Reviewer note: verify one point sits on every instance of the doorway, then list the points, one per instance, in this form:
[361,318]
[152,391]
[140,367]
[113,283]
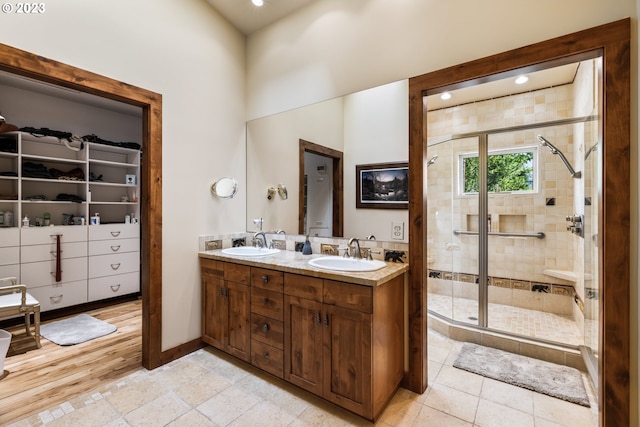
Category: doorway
[324,159]
[612,41]
[36,67]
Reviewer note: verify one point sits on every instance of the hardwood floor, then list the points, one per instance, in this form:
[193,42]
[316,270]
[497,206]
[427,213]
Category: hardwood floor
[40,378]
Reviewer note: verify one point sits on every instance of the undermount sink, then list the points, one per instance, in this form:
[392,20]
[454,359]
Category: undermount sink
[250,251]
[346,264]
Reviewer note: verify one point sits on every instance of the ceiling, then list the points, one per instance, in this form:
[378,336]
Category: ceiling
[249,18]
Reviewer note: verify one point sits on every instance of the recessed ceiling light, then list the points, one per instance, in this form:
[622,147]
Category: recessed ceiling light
[257,2]
[522,80]
[445,96]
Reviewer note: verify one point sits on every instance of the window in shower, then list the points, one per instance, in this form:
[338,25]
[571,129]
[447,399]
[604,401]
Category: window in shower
[510,170]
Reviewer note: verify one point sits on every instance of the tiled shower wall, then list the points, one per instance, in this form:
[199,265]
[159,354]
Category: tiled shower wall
[544,210]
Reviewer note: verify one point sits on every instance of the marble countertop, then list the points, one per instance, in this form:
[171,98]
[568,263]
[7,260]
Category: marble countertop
[295,262]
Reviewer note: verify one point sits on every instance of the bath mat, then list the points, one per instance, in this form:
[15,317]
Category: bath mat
[76,330]
[543,377]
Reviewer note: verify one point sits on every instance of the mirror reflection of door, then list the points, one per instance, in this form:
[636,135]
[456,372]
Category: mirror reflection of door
[318,193]
[320,211]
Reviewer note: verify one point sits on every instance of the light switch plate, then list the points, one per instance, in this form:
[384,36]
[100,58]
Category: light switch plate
[397,230]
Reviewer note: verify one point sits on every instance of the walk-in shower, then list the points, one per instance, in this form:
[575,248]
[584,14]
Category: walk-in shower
[504,267]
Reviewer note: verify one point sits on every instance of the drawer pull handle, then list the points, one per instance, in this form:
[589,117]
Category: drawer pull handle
[318,317]
[53,273]
[53,253]
[265,301]
[115,233]
[266,354]
[115,266]
[265,279]
[115,288]
[56,299]
[265,327]
[115,248]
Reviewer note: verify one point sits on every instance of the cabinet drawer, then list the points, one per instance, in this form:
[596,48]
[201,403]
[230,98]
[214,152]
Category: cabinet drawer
[9,237]
[107,265]
[59,296]
[10,271]
[104,247]
[347,295]
[237,273]
[267,358]
[113,286]
[267,303]
[303,286]
[10,255]
[43,273]
[47,252]
[212,267]
[46,235]
[267,279]
[267,330]
[114,231]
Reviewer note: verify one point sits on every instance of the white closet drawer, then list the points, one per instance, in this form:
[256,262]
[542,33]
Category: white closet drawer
[10,255]
[59,296]
[9,237]
[37,253]
[43,273]
[106,247]
[46,235]
[113,286]
[10,271]
[114,231]
[107,265]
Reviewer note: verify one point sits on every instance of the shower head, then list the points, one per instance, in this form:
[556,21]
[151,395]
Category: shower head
[432,160]
[554,150]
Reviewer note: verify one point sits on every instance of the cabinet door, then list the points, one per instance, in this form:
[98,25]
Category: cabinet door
[347,359]
[303,344]
[214,310]
[238,300]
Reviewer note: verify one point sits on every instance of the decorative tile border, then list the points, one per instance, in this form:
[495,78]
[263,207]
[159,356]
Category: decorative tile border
[518,284]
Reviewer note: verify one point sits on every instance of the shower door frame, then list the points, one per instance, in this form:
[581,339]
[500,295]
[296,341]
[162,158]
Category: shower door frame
[613,40]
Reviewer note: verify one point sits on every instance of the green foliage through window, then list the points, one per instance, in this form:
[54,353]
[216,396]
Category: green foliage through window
[505,172]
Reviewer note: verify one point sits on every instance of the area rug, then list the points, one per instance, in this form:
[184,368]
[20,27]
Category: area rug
[76,330]
[548,378]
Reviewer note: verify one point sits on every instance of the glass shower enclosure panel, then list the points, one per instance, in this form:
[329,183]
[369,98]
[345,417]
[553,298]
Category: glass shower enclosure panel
[452,230]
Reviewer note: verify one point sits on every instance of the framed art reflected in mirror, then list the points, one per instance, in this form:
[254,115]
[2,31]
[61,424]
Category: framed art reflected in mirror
[382,186]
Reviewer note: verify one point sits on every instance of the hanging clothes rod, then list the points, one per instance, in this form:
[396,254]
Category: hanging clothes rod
[539,235]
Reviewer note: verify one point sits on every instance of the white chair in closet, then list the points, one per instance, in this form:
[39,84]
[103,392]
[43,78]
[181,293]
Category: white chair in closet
[16,301]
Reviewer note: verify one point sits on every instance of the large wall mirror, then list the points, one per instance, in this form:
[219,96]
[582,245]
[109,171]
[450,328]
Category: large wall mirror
[367,127]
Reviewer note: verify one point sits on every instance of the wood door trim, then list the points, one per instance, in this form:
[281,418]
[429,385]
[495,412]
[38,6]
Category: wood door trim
[34,66]
[613,40]
[338,192]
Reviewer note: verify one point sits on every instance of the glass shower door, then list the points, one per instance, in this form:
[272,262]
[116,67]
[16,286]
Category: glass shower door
[453,226]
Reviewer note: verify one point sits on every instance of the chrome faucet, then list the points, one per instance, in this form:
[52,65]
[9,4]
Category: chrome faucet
[356,247]
[260,240]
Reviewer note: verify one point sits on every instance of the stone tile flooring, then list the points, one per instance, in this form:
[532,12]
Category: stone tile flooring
[209,388]
[521,321]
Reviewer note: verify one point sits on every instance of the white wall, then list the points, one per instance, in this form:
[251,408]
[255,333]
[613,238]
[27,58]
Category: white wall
[336,47]
[185,51]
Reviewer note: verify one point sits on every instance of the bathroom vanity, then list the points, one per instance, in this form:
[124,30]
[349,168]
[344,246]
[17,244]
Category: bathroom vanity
[338,335]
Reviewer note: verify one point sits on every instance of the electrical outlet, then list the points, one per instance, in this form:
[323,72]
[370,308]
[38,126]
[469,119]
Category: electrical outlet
[397,230]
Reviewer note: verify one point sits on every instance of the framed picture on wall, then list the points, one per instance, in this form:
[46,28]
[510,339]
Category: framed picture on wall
[382,186]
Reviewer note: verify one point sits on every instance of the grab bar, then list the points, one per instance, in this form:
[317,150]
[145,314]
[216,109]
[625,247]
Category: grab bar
[539,235]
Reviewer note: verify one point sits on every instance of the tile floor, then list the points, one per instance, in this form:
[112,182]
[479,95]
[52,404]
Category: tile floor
[208,388]
[520,321]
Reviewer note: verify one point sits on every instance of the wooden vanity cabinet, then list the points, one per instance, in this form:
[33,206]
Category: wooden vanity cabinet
[344,342]
[340,341]
[225,307]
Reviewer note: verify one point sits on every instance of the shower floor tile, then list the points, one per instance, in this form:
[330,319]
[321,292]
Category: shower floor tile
[520,321]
